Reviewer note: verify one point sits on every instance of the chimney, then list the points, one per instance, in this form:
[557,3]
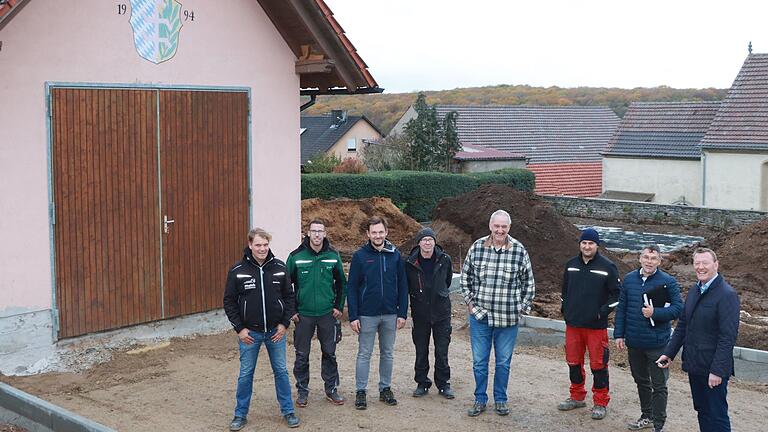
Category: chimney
[338,116]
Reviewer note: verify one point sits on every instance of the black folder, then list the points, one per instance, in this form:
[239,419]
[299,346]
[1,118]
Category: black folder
[658,296]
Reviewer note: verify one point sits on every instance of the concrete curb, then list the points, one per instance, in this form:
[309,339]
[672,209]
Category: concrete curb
[45,413]
[746,354]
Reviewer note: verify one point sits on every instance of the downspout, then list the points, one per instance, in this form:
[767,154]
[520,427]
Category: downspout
[309,103]
[703,179]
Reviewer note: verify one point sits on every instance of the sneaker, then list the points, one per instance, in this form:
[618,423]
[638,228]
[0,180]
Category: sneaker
[641,423]
[599,412]
[302,400]
[387,397]
[501,408]
[477,409]
[360,400]
[237,423]
[570,404]
[292,420]
[420,391]
[446,392]
[335,398]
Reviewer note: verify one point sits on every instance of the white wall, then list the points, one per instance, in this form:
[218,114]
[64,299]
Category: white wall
[668,179]
[733,180]
[230,43]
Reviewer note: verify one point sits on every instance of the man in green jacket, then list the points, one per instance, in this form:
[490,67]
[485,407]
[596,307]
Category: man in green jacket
[321,288]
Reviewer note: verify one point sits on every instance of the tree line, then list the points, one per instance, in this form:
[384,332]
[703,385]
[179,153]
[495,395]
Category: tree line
[385,109]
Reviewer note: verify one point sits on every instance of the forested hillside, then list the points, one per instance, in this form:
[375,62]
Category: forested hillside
[385,109]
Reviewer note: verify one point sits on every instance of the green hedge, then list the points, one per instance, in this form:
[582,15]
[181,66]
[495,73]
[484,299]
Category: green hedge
[415,192]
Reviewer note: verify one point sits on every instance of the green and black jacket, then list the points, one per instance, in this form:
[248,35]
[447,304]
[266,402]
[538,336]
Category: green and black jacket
[318,279]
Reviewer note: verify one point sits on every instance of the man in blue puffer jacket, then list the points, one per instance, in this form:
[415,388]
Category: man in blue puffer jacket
[378,303]
[648,303]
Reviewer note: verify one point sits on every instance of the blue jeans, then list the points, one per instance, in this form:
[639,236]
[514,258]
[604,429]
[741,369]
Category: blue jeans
[711,404]
[386,327]
[503,340]
[248,356]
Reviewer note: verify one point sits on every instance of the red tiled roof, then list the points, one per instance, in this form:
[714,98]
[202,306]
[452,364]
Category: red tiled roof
[476,153]
[6,8]
[347,44]
[572,179]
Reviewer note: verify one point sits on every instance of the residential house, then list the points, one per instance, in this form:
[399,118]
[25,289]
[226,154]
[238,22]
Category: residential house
[336,133]
[655,155]
[140,142]
[734,151]
[709,154]
[562,143]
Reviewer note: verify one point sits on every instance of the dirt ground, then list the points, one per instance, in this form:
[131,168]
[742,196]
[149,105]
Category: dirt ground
[189,386]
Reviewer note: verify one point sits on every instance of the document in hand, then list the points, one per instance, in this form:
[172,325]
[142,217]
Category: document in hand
[658,296]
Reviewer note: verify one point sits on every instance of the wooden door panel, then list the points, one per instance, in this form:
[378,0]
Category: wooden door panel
[106,232]
[204,165]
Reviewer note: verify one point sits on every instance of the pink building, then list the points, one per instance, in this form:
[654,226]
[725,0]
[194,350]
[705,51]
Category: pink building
[140,141]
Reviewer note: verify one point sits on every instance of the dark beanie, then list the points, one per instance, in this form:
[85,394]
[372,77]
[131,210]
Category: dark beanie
[425,232]
[590,234]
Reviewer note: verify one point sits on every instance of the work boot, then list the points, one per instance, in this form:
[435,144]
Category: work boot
[420,391]
[570,404]
[599,412]
[360,400]
[477,409]
[446,392]
[237,423]
[302,400]
[387,397]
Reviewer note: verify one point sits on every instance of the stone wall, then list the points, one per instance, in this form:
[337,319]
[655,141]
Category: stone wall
[642,212]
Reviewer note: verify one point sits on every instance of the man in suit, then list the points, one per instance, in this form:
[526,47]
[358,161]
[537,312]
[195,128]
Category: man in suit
[707,331]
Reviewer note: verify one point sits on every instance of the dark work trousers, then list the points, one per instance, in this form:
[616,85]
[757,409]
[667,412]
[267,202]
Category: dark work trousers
[651,383]
[711,404]
[441,334]
[302,340]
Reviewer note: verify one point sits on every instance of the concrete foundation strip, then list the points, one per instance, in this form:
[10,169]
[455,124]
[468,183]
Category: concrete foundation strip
[45,413]
[746,354]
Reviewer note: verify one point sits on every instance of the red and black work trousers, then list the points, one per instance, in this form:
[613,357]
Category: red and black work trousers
[577,341]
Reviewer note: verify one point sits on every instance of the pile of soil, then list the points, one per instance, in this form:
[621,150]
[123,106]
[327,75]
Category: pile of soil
[346,221]
[4,427]
[550,238]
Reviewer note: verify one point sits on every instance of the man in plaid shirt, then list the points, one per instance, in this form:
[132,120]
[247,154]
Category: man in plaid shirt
[497,284]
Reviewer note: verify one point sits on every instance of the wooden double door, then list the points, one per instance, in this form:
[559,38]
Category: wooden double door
[151,202]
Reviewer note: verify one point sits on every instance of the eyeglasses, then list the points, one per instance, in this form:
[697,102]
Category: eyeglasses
[427,240]
[316,231]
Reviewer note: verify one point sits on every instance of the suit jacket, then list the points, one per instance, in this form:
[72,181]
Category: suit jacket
[707,330]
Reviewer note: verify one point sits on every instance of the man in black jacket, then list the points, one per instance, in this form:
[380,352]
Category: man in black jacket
[259,302]
[429,277]
[707,331]
[590,291]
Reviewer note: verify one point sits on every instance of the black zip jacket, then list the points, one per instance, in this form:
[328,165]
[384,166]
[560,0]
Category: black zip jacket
[430,299]
[590,291]
[259,297]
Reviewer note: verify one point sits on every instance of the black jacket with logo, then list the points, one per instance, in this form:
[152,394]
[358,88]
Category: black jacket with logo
[259,297]
[590,291]
[430,299]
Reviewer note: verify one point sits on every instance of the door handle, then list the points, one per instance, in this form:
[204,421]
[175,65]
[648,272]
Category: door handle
[166,222]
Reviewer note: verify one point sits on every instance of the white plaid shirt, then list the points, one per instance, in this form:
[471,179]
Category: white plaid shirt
[498,283]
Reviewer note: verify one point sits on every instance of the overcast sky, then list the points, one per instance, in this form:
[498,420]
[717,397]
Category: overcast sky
[444,44]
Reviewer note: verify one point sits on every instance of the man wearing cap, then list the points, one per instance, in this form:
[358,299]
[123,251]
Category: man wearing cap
[498,287]
[590,291]
[429,274]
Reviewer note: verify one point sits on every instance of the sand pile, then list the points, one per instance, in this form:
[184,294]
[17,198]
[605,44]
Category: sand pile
[346,221]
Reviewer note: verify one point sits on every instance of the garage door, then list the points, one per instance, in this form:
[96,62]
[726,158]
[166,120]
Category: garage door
[150,192]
